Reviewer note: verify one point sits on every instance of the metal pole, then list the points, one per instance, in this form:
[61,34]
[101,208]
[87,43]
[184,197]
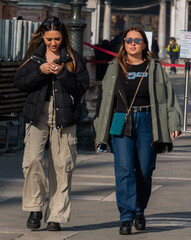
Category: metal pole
[76,25]
[187,70]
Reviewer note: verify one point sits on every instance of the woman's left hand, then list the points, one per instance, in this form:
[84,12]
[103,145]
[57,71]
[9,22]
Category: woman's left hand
[175,134]
[56,68]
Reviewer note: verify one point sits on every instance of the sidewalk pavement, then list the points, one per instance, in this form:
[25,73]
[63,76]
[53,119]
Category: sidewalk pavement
[94,211]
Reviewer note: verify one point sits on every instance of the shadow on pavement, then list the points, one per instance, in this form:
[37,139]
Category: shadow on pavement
[162,222]
[95,226]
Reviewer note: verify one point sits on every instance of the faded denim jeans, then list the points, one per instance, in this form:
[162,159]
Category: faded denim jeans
[135,159]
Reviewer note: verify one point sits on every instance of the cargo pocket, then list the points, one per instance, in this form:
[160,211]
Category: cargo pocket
[71,160]
[26,157]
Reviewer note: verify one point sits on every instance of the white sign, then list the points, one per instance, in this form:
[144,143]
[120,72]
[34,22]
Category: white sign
[149,37]
[185,42]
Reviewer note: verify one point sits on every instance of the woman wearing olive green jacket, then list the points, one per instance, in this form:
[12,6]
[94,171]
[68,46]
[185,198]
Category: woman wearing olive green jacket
[154,120]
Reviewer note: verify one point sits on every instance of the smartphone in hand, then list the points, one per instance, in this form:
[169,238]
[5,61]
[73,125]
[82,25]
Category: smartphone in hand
[59,61]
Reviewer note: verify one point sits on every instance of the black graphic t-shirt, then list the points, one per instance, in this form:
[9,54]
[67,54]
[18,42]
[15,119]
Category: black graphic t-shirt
[131,82]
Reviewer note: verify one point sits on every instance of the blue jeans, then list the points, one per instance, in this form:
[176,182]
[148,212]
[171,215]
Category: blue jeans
[135,159]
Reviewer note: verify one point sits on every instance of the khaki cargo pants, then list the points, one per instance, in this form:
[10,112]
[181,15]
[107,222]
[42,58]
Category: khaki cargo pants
[61,162]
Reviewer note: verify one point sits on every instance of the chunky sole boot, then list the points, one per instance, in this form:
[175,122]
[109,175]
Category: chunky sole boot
[125,228]
[33,221]
[53,226]
[140,222]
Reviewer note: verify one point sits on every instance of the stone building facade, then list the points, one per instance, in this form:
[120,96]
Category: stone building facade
[37,11]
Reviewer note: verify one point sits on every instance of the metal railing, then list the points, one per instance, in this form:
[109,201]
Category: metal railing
[14,38]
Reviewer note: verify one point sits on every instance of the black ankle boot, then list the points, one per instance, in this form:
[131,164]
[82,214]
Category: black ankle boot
[33,221]
[140,222]
[53,226]
[125,228]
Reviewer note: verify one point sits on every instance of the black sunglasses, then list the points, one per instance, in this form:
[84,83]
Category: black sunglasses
[48,23]
[135,40]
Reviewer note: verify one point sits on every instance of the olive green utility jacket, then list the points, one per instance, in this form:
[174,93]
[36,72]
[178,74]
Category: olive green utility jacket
[165,110]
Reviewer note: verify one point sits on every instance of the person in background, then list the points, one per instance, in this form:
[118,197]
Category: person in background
[151,125]
[20,18]
[99,55]
[116,42]
[55,79]
[155,48]
[173,50]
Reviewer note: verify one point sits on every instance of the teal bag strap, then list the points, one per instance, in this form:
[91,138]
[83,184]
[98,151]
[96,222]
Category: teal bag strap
[120,118]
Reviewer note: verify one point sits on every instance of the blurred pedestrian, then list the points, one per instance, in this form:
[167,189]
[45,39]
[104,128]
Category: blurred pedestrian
[173,51]
[137,98]
[55,78]
[99,55]
[116,42]
[155,48]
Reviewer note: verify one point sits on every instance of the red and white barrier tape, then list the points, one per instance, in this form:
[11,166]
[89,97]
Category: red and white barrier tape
[115,54]
[100,49]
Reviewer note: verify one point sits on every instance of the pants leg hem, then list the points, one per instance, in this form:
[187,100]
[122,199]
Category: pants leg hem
[58,220]
[34,209]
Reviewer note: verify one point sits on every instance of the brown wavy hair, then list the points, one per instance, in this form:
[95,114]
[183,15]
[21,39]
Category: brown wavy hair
[122,56]
[57,25]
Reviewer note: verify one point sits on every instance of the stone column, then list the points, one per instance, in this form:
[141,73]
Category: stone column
[181,16]
[94,5]
[98,21]
[173,18]
[107,21]
[162,29]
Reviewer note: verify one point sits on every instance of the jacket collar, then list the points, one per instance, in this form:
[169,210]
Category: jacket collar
[40,51]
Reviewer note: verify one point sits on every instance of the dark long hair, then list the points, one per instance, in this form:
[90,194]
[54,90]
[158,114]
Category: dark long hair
[122,56]
[57,25]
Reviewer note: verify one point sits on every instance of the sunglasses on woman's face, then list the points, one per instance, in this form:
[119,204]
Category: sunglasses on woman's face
[48,23]
[135,40]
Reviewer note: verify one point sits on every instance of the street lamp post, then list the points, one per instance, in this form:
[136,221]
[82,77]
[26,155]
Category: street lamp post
[76,26]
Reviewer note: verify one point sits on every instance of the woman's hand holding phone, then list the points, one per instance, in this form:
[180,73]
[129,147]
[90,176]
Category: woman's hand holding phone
[45,68]
[57,65]
[54,67]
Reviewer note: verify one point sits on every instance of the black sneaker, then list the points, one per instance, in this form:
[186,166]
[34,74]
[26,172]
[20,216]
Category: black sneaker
[33,221]
[140,222]
[53,226]
[125,228]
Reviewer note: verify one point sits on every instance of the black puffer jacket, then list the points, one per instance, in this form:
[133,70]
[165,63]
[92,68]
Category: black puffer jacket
[68,87]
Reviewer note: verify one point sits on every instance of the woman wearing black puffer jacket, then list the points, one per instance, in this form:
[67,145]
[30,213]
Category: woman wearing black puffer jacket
[55,78]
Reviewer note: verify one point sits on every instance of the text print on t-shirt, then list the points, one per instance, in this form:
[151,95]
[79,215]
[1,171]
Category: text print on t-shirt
[133,75]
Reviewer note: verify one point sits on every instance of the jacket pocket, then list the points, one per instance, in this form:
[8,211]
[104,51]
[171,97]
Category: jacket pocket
[72,153]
